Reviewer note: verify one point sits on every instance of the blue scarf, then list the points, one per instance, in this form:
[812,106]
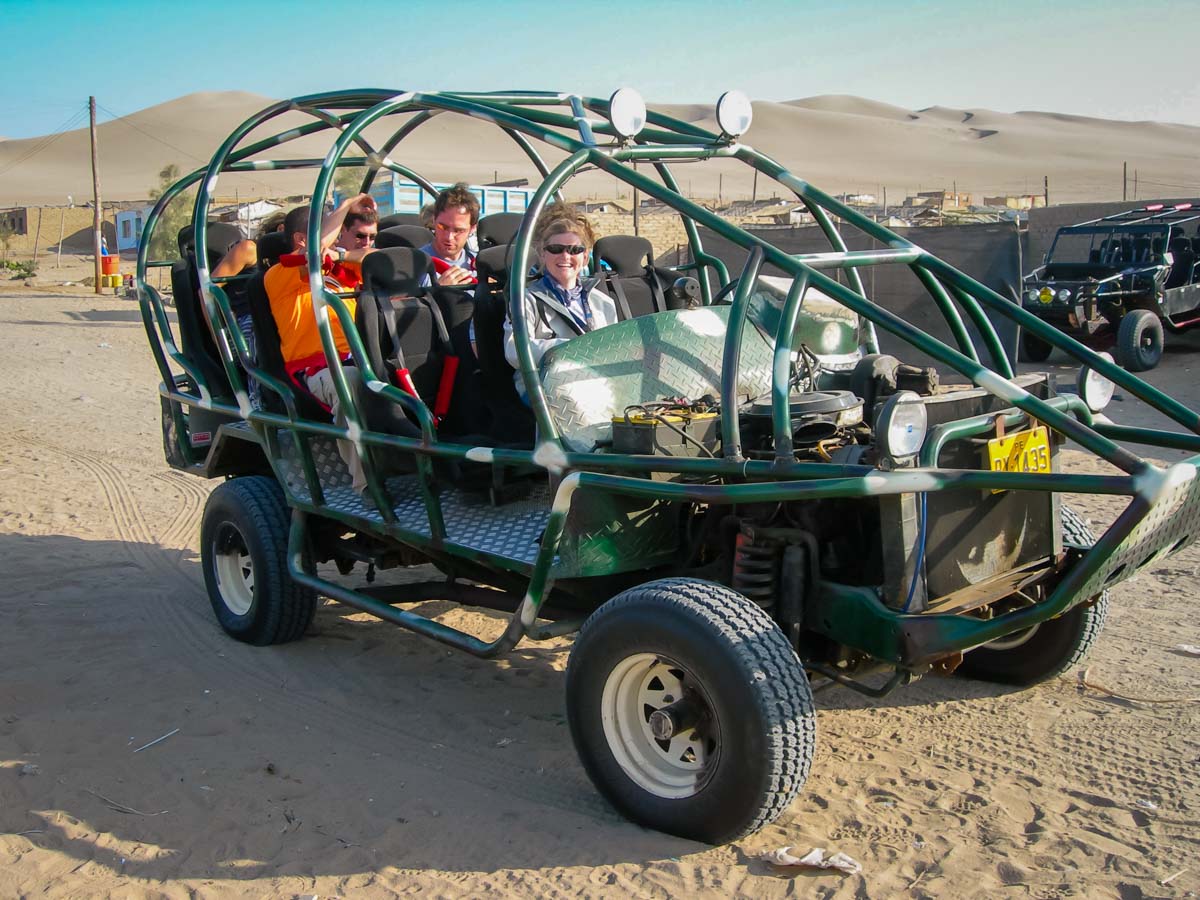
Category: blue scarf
[575,301]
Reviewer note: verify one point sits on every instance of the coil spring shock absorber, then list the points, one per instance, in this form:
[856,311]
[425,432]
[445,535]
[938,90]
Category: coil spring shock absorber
[756,568]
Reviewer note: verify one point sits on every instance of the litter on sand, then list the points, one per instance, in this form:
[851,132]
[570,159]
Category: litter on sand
[1189,649]
[814,859]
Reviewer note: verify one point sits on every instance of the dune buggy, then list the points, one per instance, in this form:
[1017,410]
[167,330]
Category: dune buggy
[1121,280]
[726,494]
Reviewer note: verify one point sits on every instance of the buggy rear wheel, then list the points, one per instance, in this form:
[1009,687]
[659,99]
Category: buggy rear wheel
[1139,340]
[689,710]
[243,552]
[1049,648]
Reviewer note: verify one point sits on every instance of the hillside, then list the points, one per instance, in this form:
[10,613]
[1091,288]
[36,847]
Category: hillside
[840,143]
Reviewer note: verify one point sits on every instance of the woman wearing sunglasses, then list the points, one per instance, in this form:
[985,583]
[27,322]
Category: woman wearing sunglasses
[561,304]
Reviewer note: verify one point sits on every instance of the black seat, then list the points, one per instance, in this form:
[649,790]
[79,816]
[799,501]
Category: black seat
[272,246]
[512,420]
[631,280]
[195,338]
[414,236]
[195,335]
[1181,268]
[270,356]
[498,229]
[400,219]
[221,236]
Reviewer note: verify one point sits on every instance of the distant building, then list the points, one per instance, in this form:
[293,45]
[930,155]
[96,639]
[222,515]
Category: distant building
[1020,201]
[940,199]
[396,195]
[129,227]
[603,206]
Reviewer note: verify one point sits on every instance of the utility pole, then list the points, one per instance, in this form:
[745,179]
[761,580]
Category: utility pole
[96,191]
[62,219]
[1046,189]
[37,237]
[1135,185]
[1124,181]
[754,190]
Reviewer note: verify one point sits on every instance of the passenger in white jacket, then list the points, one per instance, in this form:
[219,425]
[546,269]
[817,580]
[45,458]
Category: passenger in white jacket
[560,304]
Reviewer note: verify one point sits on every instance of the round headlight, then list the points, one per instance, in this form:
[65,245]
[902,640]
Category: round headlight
[901,426]
[627,112]
[1064,295]
[1094,388]
[1045,295]
[734,113]
[1032,296]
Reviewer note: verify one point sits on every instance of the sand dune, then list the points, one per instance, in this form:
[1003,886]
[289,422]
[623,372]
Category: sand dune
[837,142]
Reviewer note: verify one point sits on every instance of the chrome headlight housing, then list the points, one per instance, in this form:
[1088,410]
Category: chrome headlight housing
[901,426]
[1063,296]
[1095,390]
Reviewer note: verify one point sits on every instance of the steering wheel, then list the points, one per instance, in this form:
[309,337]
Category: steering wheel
[725,291]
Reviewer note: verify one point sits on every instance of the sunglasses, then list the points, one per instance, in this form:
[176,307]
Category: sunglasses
[364,236]
[573,249]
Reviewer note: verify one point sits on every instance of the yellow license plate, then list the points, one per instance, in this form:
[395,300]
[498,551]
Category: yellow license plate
[1025,451]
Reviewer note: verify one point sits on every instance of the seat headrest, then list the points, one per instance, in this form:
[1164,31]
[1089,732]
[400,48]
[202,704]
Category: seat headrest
[394,270]
[498,228]
[220,236]
[272,246]
[497,261]
[627,254]
[414,236]
[400,219]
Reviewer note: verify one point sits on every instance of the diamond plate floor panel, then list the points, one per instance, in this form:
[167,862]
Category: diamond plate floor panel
[512,531]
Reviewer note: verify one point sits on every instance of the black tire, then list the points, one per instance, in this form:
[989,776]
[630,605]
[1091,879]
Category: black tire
[243,552]
[1050,648]
[1139,340]
[1034,349]
[751,746]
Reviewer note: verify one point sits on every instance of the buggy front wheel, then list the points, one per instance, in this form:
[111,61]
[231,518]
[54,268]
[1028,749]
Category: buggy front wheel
[689,709]
[1034,349]
[1052,647]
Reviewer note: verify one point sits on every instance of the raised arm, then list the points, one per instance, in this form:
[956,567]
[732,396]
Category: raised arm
[331,225]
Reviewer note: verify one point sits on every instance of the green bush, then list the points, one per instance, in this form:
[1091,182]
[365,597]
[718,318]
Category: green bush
[21,270]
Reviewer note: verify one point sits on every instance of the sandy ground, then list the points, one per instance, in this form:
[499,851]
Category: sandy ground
[366,761]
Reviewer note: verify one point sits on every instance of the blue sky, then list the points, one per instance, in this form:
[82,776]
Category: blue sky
[1129,60]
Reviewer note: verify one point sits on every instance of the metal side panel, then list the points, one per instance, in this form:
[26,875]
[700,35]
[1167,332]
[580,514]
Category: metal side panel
[677,353]
[1170,526]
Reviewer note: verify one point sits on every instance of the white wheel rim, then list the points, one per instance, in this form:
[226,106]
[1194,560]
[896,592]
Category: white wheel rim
[234,570]
[1016,639]
[672,768]
[1013,641]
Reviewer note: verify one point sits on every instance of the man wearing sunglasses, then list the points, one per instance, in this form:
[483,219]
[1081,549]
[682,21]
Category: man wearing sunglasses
[359,230]
[562,304]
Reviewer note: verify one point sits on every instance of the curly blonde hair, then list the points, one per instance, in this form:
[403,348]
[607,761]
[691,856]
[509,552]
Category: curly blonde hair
[560,218]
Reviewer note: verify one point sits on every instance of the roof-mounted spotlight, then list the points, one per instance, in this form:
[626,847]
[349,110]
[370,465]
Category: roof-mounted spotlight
[734,113]
[627,112]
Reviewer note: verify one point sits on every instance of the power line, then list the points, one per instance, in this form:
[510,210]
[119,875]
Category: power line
[1186,187]
[46,141]
[125,120]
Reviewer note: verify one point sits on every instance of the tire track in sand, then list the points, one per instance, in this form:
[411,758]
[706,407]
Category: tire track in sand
[358,725]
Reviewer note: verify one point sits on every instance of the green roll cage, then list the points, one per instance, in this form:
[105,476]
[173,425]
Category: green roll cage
[1162,517]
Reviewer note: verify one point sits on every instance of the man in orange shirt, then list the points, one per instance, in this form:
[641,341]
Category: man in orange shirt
[290,294]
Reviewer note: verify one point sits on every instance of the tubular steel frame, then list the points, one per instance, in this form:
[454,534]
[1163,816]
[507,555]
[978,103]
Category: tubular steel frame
[853,616]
